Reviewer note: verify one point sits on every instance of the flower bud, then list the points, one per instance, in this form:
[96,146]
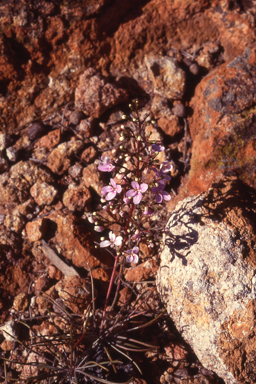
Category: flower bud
[99,228]
[102,238]
[124,117]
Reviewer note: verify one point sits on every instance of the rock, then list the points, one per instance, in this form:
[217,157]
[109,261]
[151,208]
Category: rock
[59,159]
[160,107]
[14,222]
[89,154]
[22,143]
[75,171]
[36,130]
[3,164]
[36,229]
[50,140]
[75,117]
[142,271]
[85,128]
[3,141]
[43,193]
[75,293]
[207,278]
[76,242]
[168,78]
[20,302]
[222,128]
[92,178]
[77,197]
[9,330]
[12,154]
[94,94]
[170,125]
[179,110]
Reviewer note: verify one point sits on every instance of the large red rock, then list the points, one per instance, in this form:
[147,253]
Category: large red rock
[222,125]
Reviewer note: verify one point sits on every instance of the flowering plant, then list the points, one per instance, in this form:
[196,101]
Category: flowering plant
[136,189]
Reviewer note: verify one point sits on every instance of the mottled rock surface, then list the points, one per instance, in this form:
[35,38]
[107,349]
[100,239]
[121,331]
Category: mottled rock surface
[94,94]
[222,126]
[207,278]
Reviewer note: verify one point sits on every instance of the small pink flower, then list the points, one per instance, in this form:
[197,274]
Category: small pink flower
[113,241]
[105,164]
[132,256]
[137,191]
[110,191]
[126,200]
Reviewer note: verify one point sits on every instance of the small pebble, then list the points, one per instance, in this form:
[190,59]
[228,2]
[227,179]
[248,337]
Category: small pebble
[194,68]
[75,117]
[179,110]
[36,130]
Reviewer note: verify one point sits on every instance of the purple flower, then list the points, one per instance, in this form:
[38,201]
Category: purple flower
[110,191]
[166,167]
[113,241]
[132,256]
[137,191]
[105,164]
[157,148]
[160,193]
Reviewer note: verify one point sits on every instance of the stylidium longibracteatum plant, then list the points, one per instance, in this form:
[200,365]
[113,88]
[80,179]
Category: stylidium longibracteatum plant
[135,192]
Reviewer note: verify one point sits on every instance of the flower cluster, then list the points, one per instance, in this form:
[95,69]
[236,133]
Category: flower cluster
[136,188]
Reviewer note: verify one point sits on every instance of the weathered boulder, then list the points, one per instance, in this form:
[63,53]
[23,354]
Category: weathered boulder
[207,278]
[222,126]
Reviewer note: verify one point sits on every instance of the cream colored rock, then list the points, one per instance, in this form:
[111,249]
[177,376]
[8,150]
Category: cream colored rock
[207,279]
[168,78]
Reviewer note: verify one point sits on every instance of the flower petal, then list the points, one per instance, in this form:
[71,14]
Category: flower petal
[129,258]
[137,198]
[159,198]
[135,259]
[105,243]
[155,189]
[118,188]
[135,185]
[131,193]
[166,196]
[112,236]
[112,181]
[143,187]
[110,195]
[118,240]
[106,190]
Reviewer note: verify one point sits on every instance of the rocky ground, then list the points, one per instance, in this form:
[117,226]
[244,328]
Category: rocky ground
[68,71]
